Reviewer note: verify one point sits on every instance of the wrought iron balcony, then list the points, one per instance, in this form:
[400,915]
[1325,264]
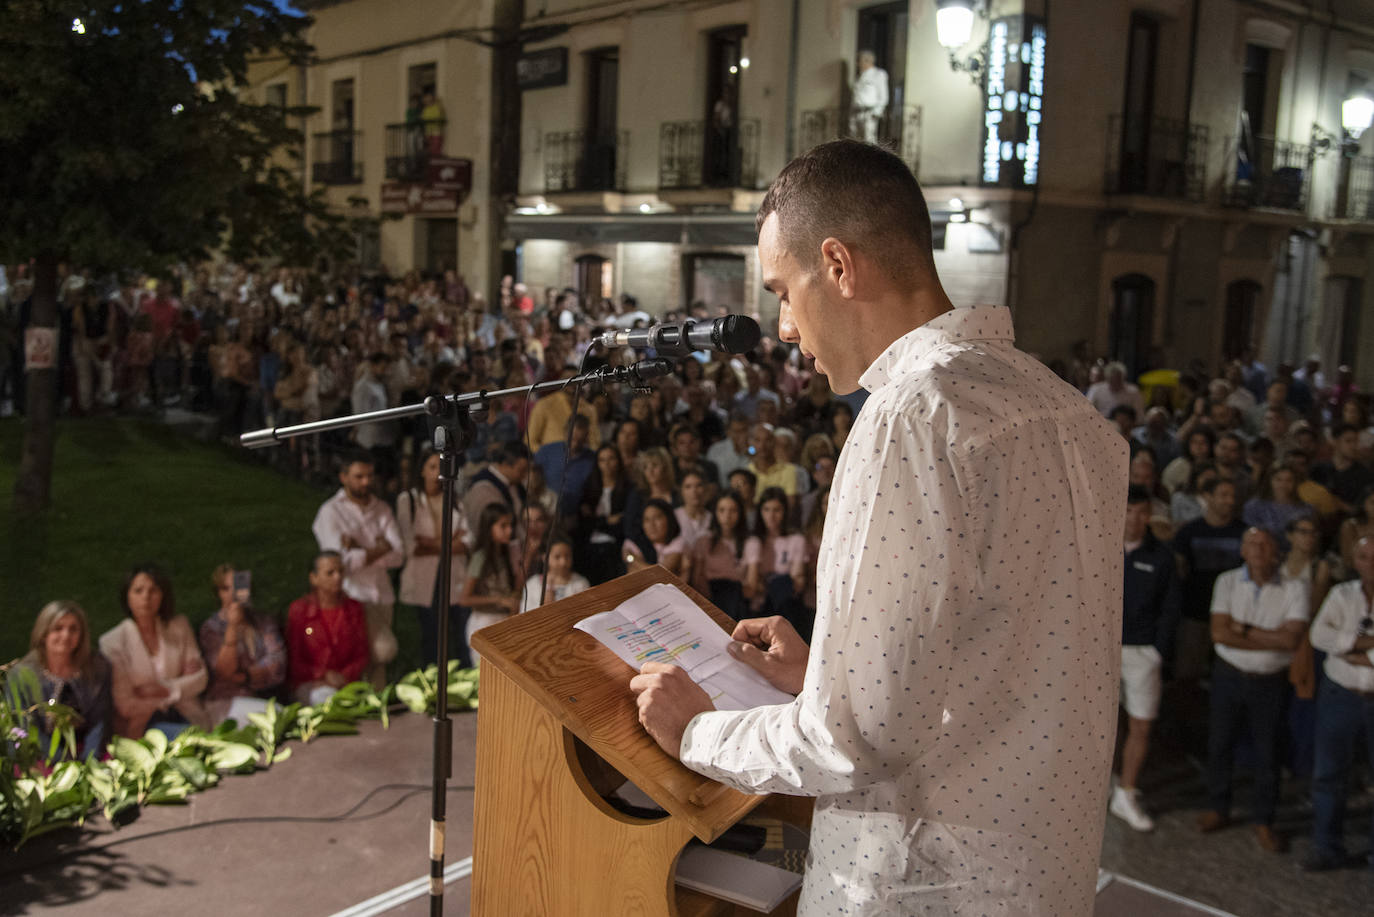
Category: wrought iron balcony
[1356,201]
[337,159]
[897,129]
[585,160]
[698,154]
[1159,157]
[1264,172]
[410,146]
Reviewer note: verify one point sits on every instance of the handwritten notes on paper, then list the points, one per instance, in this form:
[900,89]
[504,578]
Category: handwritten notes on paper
[661,624]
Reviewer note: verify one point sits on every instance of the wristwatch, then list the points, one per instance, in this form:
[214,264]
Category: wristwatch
[1245,630]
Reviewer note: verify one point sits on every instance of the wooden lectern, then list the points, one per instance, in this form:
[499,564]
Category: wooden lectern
[546,844]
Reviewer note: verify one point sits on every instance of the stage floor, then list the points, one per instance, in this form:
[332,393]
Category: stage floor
[345,821]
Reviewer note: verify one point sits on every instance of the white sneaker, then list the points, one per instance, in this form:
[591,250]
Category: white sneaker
[1126,806]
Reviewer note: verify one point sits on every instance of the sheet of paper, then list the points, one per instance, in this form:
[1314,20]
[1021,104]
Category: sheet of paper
[661,624]
[740,880]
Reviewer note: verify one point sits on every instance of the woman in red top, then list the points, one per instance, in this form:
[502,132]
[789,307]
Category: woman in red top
[326,635]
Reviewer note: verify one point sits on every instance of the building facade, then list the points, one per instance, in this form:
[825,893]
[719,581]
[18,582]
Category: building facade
[1166,180]
[403,98]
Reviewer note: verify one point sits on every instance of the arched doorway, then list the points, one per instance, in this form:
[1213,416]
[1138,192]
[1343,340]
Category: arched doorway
[1242,307]
[1132,322]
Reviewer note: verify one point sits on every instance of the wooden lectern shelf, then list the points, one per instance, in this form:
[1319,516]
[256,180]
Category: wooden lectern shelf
[545,841]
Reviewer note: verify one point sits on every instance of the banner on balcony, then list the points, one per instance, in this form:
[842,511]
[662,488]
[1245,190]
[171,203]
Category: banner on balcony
[451,173]
[414,197]
[1013,96]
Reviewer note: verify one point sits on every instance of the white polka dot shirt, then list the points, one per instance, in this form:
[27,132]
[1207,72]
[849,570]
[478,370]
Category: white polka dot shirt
[959,707]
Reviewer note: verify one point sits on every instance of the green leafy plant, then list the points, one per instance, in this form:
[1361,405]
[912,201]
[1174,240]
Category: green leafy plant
[419,690]
[36,796]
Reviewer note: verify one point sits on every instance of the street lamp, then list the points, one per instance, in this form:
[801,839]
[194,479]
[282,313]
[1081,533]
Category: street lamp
[954,23]
[1357,112]
[954,28]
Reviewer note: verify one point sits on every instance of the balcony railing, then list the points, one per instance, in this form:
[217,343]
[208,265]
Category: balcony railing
[1264,172]
[410,146]
[337,159]
[897,129]
[585,160]
[697,154]
[1159,157]
[1357,202]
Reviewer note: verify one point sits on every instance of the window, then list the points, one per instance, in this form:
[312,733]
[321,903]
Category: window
[721,159]
[598,167]
[275,95]
[420,78]
[1138,109]
[1132,322]
[1242,306]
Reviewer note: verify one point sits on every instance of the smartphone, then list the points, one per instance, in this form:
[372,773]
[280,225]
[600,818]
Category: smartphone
[243,586]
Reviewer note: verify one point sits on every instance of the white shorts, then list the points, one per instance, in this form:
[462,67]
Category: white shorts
[1141,681]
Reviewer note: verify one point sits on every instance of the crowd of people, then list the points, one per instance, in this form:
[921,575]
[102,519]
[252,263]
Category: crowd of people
[1249,538]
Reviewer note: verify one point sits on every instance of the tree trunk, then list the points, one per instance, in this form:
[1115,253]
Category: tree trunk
[32,486]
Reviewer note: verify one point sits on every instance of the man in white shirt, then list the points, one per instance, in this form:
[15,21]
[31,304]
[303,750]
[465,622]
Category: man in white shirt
[362,529]
[1344,630]
[1258,619]
[955,712]
[1115,391]
[868,98]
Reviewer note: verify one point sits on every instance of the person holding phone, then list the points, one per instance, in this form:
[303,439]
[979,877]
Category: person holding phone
[243,649]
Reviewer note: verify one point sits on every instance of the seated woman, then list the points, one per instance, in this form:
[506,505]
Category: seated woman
[778,577]
[68,672]
[157,673]
[563,580]
[658,540]
[244,651]
[492,593]
[326,635]
[720,561]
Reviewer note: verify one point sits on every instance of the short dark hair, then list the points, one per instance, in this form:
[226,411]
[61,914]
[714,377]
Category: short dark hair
[168,608]
[1136,494]
[351,457]
[510,453]
[1123,409]
[321,555]
[861,194]
[1341,429]
[745,473]
[1211,485]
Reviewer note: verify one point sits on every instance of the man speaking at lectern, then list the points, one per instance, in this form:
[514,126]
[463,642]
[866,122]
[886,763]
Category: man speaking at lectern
[956,711]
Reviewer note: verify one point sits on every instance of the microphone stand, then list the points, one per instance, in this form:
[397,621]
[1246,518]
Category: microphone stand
[452,429]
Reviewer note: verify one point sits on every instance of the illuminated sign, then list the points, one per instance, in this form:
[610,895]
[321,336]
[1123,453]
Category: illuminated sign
[1013,101]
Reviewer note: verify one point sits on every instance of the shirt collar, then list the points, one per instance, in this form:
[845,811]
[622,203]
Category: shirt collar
[972,323]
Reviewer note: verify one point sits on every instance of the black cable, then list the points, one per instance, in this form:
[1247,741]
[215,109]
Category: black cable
[415,789]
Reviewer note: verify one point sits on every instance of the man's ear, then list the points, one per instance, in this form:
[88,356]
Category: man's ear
[837,265]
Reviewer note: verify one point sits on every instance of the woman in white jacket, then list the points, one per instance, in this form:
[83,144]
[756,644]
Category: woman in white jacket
[418,512]
[157,672]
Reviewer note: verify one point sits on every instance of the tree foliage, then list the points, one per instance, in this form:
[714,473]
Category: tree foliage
[127,139]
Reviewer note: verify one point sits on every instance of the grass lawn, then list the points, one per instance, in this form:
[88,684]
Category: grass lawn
[126,491]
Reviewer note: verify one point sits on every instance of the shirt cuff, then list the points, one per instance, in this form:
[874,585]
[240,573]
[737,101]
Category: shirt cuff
[700,740]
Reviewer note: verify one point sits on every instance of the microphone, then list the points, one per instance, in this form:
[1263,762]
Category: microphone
[728,334]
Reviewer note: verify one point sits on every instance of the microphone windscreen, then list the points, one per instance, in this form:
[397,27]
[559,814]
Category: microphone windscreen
[739,334]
